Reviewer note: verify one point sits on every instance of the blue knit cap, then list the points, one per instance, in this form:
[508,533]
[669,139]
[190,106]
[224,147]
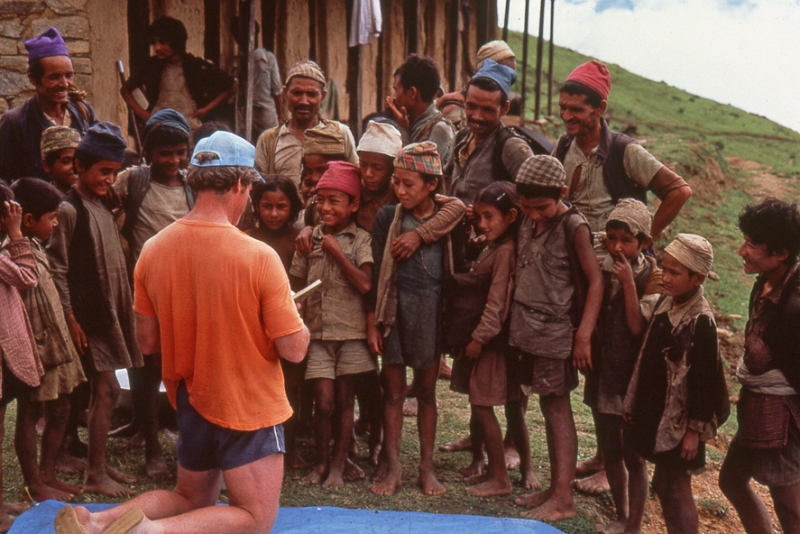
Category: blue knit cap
[49,43]
[105,141]
[502,75]
[166,117]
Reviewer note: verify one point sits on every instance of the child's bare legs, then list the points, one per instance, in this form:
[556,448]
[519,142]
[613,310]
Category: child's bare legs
[28,414]
[609,434]
[97,479]
[497,482]
[674,490]
[370,403]
[323,414]
[511,451]
[345,397]
[475,468]
[518,430]
[596,481]
[5,520]
[787,507]
[56,414]
[734,481]
[637,489]
[556,502]
[148,422]
[426,425]
[73,449]
[394,393]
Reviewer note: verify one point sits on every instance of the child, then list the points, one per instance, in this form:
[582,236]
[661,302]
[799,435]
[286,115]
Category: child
[631,286]
[321,145]
[336,315]
[766,446]
[62,366]
[475,325]
[58,149]
[88,267]
[21,367]
[552,318]
[677,384]
[405,326]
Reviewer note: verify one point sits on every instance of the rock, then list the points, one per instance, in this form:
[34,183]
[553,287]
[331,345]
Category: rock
[21,7]
[15,63]
[12,29]
[78,47]
[66,7]
[84,82]
[69,27]
[8,46]
[82,65]
[3,106]
[20,98]
[13,83]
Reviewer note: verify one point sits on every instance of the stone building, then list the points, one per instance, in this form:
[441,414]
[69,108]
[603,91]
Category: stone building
[100,32]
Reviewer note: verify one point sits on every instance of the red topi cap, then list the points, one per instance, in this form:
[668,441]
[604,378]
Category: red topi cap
[593,75]
[341,176]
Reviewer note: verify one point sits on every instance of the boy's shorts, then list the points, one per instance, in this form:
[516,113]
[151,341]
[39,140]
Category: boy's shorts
[776,468]
[13,387]
[330,359]
[203,446]
[547,376]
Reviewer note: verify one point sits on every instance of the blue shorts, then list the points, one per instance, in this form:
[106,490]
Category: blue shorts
[203,446]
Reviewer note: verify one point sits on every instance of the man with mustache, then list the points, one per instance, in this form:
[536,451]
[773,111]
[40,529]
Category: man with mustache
[57,102]
[279,150]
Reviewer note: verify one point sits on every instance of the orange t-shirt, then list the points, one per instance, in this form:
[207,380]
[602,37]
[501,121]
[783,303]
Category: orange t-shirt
[220,298]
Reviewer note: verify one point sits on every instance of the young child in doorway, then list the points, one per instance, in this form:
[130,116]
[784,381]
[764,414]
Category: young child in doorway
[58,150]
[336,316]
[476,328]
[63,371]
[631,287]
[559,289]
[677,395]
[405,326]
[88,267]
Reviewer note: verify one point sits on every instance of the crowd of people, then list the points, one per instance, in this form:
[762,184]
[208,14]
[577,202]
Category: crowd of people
[272,288]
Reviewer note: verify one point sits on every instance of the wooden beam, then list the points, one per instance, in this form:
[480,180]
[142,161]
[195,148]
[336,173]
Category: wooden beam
[525,63]
[247,43]
[539,52]
[211,32]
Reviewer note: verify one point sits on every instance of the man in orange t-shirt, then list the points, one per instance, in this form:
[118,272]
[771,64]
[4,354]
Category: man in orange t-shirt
[217,305]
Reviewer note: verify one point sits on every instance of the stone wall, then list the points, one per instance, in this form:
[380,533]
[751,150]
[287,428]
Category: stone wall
[94,47]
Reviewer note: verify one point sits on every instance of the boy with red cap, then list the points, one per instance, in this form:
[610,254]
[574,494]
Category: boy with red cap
[602,168]
[336,315]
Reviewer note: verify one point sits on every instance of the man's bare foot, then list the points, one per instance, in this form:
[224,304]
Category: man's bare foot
[614,527]
[530,482]
[410,407]
[352,471]
[5,522]
[14,508]
[137,441]
[380,473]
[69,465]
[43,492]
[296,461]
[156,467]
[430,484]
[61,486]
[477,479]
[461,444]
[596,484]
[534,499]
[475,468]
[125,431]
[512,457]
[387,485]
[551,511]
[590,466]
[334,480]
[317,475]
[103,484]
[490,488]
[119,476]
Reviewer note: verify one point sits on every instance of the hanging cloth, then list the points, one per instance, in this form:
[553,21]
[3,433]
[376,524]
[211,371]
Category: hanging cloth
[365,21]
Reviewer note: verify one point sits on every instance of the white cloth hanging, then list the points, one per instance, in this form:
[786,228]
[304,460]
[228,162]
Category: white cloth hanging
[365,21]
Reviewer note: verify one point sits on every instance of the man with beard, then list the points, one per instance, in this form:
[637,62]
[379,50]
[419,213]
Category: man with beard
[279,150]
[57,102]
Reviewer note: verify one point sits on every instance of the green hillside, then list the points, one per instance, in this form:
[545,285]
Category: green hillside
[695,136]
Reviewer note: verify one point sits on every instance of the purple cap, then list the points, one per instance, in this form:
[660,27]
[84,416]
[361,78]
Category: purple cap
[49,43]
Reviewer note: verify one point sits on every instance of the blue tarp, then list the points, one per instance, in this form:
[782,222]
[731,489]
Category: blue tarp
[325,520]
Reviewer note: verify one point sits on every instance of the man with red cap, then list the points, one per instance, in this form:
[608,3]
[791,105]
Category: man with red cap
[57,102]
[602,168]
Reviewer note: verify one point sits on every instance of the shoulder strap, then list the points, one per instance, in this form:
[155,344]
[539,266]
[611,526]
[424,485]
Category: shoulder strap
[618,183]
[561,148]
[499,171]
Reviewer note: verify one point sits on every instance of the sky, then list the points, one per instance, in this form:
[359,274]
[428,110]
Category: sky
[740,52]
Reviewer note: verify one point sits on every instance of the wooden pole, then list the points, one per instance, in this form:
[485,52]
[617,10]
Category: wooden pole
[550,62]
[455,6]
[505,21]
[525,63]
[247,43]
[539,53]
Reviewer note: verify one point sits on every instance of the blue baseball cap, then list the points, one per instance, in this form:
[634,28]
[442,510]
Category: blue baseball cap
[502,75]
[232,151]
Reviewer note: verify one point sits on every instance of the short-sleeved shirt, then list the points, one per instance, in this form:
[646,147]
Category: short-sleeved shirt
[591,197]
[267,80]
[336,311]
[221,299]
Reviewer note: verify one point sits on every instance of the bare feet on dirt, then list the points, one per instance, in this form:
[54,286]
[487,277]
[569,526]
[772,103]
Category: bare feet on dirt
[15,508]
[391,480]
[69,465]
[137,441]
[589,467]
[596,484]
[104,485]
[530,482]
[317,475]
[156,467]
[490,488]
[352,471]
[61,486]
[380,472]
[296,461]
[512,457]
[430,484]
[410,407]
[334,480]
[119,476]
[551,511]
[614,527]
[477,479]
[534,499]
[461,444]
[43,492]
[475,468]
